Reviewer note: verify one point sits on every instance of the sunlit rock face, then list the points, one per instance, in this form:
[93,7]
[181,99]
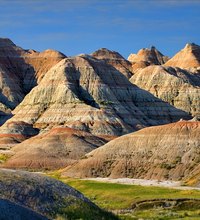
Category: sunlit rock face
[146,57]
[79,103]
[160,152]
[187,58]
[176,86]
[88,94]
[57,148]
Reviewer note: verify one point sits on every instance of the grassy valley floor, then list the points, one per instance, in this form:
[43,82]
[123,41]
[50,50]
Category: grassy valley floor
[139,202]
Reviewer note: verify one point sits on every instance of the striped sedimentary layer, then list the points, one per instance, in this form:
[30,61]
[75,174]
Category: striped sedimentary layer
[176,86]
[20,71]
[88,94]
[57,148]
[159,152]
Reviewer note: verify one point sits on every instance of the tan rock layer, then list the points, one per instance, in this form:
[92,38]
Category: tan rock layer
[161,152]
[188,57]
[150,56]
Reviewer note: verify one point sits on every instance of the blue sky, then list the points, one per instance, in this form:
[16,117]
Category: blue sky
[83,26]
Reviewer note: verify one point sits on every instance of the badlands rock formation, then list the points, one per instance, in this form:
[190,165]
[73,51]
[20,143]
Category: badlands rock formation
[11,87]
[152,56]
[161,152]
[176,86]
[187,58]
[55,149]
[42,61]
[146,57]
[13,133]
[71,101]
[49,197]
[87,94]
[116,60]
[20,71]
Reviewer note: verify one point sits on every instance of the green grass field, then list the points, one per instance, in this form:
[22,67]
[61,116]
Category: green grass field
[119,199]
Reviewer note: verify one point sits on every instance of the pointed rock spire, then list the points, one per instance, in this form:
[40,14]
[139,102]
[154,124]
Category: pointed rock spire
[188,57]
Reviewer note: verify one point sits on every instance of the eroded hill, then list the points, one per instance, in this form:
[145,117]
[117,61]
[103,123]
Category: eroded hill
[160,152]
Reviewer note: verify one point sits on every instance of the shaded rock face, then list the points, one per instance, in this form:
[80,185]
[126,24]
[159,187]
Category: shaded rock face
[160,152]
[55,149]
[87,94]
[146,57]
[47,196]
[5,114]
[20,71]
[187,58]
[115,59]
[176,86]
[14,73]
[10,211]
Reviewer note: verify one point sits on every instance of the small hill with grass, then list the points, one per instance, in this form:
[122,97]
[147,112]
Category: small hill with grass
[47,196]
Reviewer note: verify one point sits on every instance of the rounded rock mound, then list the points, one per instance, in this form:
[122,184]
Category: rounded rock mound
[47,196]
[55,149]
